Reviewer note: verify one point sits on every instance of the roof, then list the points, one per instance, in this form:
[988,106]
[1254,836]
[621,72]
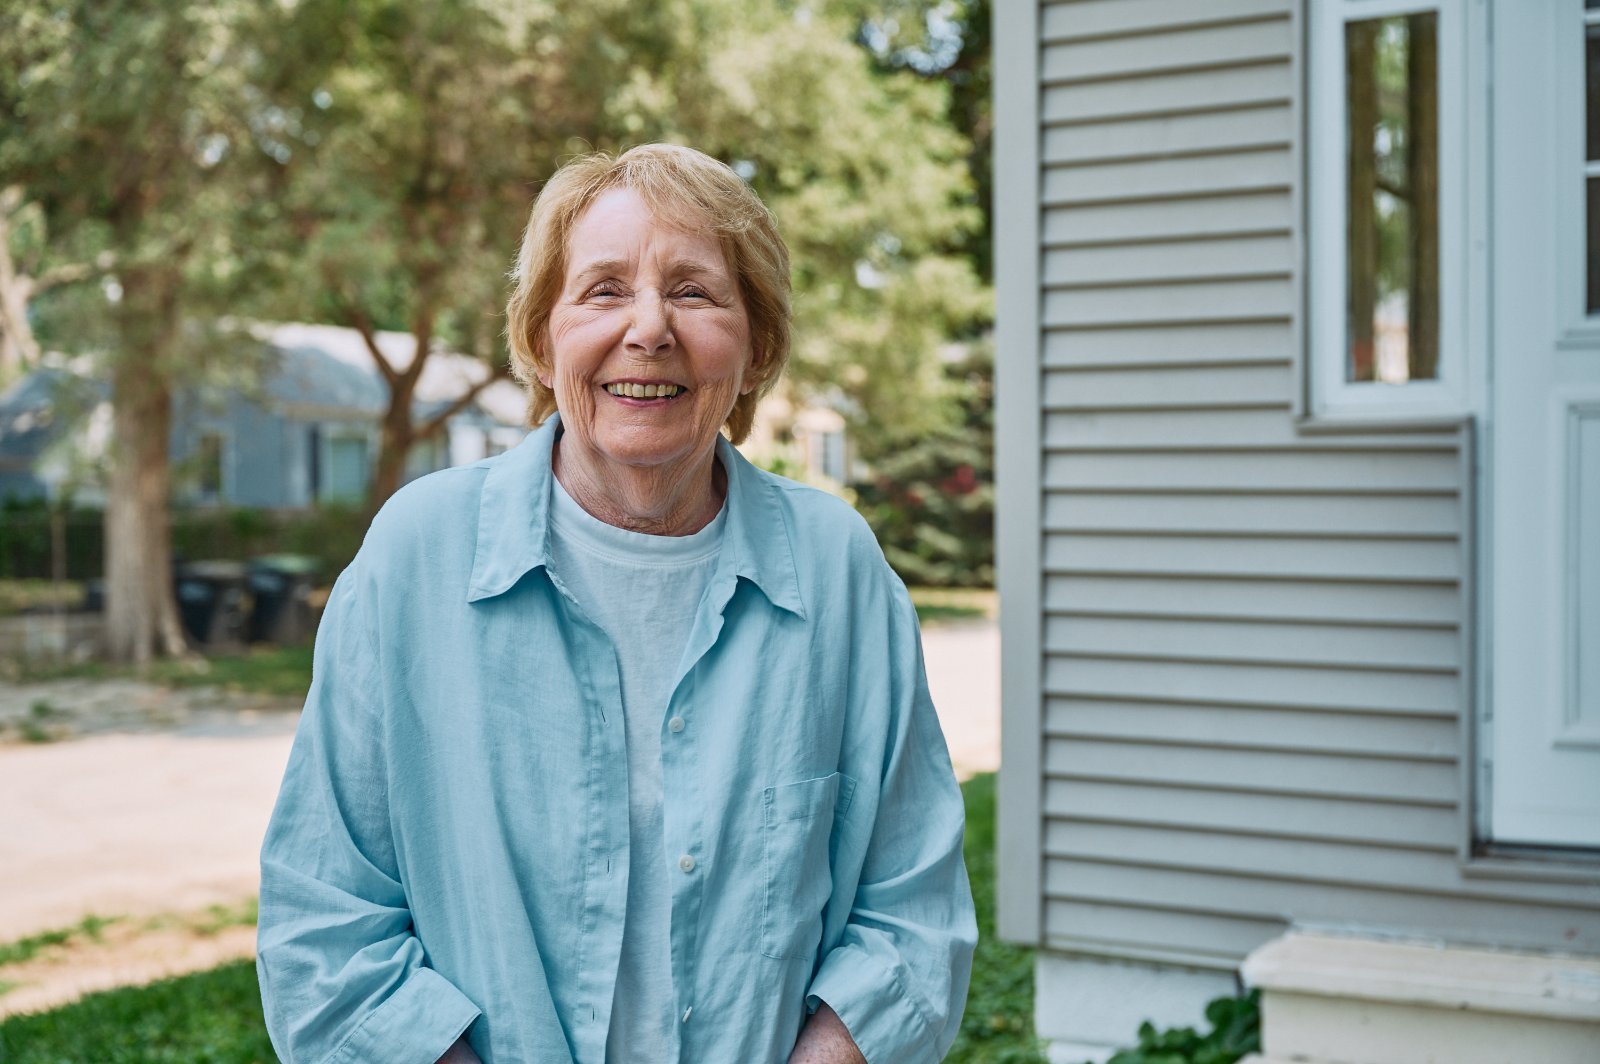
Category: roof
[329,365]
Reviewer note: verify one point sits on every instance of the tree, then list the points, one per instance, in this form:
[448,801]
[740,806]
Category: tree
[25,275]
[129,123]
[864,173]
[949,41]
[930,499]
[421,127]
[436,121]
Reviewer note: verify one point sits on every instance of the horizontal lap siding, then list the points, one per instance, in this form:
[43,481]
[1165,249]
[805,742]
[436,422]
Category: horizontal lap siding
[1253,674]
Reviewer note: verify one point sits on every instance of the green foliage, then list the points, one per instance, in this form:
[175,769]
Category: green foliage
[331,533]
[998,1025]
[947,41]
[211,1018]
[425,127]
[283,672]
[1235,1031]
[25,547]
[134,127]
[24,596]
[931,497]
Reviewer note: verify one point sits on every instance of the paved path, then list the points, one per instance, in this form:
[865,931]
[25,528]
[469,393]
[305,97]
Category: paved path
[172,820]
[133,824]
[963,663]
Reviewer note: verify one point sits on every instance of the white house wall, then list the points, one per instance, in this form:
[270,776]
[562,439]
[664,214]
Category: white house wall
[1235,679]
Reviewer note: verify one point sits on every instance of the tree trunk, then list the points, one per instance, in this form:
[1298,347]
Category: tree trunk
[141,611]
[395,440]
[18,349]
[1361,43]
[1423,169]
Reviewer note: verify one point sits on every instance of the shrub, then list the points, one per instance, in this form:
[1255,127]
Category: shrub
[930,500]
[331,533]
[1235,1031]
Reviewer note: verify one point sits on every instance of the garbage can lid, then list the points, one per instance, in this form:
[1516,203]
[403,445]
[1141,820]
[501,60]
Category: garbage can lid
[217,569]
[292,564]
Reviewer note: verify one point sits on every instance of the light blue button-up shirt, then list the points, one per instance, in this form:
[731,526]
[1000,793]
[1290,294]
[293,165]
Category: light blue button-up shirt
[449,851]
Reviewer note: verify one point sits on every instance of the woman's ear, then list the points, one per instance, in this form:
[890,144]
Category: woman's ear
[541,367]
[752,373]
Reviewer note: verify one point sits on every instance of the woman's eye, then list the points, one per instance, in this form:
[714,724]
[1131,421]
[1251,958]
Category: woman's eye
[604,291]
[693,292]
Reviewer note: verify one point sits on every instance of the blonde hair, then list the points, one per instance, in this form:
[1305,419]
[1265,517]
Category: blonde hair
[688,188]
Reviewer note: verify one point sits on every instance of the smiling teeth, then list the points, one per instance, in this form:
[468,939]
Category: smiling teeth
[644,391]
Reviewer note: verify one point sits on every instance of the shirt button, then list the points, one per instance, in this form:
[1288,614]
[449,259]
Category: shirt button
[675,724]
[686,863]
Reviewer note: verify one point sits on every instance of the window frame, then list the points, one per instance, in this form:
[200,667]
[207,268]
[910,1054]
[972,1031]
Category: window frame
[1327,399]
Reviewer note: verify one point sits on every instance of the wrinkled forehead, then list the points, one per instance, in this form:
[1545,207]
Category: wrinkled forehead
[620,226]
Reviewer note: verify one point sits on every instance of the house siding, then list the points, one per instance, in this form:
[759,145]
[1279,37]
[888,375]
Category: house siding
[1250,641]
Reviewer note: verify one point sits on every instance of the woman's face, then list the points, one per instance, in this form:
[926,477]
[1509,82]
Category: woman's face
[649,340]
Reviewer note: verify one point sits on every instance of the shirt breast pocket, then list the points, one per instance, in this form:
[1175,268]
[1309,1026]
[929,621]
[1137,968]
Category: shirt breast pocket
[796,831]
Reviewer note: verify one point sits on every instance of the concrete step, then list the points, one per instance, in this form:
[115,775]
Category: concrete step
[1330,999]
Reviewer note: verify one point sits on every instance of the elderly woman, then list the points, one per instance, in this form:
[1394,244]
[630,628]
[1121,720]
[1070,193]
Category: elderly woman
[619,748]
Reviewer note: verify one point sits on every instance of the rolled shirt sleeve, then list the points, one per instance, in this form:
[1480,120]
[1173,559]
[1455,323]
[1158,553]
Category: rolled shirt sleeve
[898,975]
[343,976]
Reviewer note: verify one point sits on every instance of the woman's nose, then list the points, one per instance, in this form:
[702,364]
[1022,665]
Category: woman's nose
[650,331]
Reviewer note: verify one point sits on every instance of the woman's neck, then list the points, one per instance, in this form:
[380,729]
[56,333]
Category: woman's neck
[672,500]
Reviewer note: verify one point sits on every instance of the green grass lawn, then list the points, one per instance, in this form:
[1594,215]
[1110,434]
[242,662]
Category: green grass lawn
[268,670]
[210,1018]
[215,1017]
[941,605]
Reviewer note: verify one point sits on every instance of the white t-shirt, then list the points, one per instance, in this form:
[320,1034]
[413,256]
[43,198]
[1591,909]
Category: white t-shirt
[643,591]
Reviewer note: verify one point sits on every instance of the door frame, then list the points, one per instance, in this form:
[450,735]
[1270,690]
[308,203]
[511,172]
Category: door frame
[1482,854]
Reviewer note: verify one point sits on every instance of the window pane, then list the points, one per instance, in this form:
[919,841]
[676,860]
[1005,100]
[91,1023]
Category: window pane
[209,460]
[1392,103]
[347,468]
[1593,303]
[1592,70]
[1592,100]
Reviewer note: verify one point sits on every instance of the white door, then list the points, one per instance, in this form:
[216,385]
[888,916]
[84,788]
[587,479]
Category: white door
[1543,426]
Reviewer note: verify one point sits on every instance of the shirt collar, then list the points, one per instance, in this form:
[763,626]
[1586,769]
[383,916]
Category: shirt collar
[514,523]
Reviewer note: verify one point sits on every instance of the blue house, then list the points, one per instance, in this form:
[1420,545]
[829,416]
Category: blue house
[308,433]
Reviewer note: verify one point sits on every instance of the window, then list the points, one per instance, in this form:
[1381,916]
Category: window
[347,469]
[208,467]
[1387,218]
[1591,154]
[1575,168]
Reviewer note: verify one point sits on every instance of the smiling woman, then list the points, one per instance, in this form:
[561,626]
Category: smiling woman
[646,308]
[619,748]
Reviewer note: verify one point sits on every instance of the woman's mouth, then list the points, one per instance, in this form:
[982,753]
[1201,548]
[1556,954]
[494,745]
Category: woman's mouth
[636,390]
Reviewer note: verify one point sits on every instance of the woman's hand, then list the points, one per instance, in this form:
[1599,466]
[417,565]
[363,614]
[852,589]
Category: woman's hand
[825,1040]
[460,1053]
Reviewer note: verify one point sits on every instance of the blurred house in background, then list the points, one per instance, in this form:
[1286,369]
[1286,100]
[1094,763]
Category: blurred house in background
[307,434]
[806,441]
[1299,458]
[315,438]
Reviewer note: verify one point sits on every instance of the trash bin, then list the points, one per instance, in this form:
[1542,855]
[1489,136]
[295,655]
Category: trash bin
[281,585]
[211,601]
